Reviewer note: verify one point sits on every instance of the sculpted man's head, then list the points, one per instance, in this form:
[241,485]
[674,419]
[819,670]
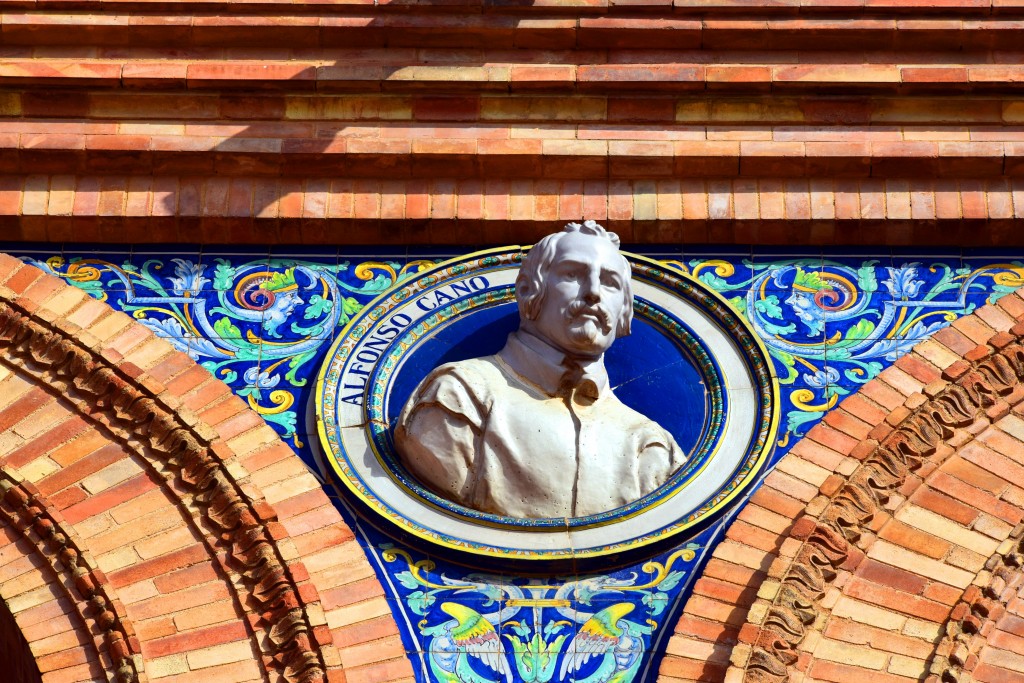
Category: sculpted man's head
[574,292]
[535,430]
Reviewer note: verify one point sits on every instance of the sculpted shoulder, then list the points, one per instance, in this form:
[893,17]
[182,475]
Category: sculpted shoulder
[462,388]
[477,374]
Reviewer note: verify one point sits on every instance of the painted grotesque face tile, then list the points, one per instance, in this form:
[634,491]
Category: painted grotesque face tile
[583,296]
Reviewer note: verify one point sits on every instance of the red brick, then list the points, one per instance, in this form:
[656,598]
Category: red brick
[894,577]
[692,669]
[724,591]
[158,566]
[181,579]
[945,506]
[61,660]
[705,630]
[204,594]
[48,441]
[776,501]
[195,640]
[23,407]
[915,540]
[897,601]
[918,368]
[834,439]
[856,633]
[364,632]
[110,498]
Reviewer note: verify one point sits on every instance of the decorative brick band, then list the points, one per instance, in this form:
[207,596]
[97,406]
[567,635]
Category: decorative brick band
[24,508]
[372,211]
[502,26]
[249,530]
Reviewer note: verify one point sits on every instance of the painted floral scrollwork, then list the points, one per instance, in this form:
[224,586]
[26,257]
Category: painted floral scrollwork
[592,629]
[832,326]
[263,322]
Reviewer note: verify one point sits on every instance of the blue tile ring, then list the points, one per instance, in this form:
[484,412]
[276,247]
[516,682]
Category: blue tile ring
[691,365]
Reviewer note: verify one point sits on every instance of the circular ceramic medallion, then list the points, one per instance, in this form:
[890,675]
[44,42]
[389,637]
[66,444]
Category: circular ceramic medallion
[691,365]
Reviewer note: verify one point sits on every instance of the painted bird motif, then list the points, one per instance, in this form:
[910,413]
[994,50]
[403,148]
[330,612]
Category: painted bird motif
[614,641]
[468,636]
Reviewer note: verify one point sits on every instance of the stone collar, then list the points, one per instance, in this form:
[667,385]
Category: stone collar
[542,364]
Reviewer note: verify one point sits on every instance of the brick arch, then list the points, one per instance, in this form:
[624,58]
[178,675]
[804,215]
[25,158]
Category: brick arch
[152,526]
[888,542]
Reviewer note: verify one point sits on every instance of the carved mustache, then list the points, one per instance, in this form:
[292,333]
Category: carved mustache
[579,308]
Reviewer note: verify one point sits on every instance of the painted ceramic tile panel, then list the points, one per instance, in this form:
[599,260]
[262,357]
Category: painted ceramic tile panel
[262,322]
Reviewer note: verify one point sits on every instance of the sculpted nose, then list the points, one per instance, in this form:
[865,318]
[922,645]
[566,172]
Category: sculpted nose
[591,289]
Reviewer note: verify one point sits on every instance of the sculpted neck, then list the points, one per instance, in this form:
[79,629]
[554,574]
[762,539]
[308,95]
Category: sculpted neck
[542,364]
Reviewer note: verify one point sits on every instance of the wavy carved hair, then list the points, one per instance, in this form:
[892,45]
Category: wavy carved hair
[530,281]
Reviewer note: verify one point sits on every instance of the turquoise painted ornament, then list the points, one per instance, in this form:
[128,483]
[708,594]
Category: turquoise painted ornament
[831,326]
[592,629]
[263,322]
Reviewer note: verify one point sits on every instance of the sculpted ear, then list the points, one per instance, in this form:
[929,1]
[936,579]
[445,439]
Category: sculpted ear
[525,297]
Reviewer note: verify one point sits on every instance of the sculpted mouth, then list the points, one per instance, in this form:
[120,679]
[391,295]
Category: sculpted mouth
[580,310]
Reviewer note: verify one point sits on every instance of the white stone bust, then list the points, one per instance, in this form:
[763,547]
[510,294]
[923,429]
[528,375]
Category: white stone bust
[535,430]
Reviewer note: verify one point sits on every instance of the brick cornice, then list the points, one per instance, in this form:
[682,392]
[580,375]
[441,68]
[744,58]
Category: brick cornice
[260,210]
[571,8]
[152,121]
[307,25]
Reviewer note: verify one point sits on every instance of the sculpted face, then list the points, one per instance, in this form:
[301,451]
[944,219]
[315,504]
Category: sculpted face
[583,296]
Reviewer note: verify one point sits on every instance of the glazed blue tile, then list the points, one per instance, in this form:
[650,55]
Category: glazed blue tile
[114,298]
[914,280]
[143,253]
[85,271]
[153,274]
[988,278]
[364,280]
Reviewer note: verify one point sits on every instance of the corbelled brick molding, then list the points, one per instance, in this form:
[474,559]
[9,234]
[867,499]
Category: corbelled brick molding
[152,527]
[888,543]
[484,121]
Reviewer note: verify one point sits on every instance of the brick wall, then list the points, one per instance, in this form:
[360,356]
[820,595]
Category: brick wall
[887,543]
[467,122]
[136,488]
